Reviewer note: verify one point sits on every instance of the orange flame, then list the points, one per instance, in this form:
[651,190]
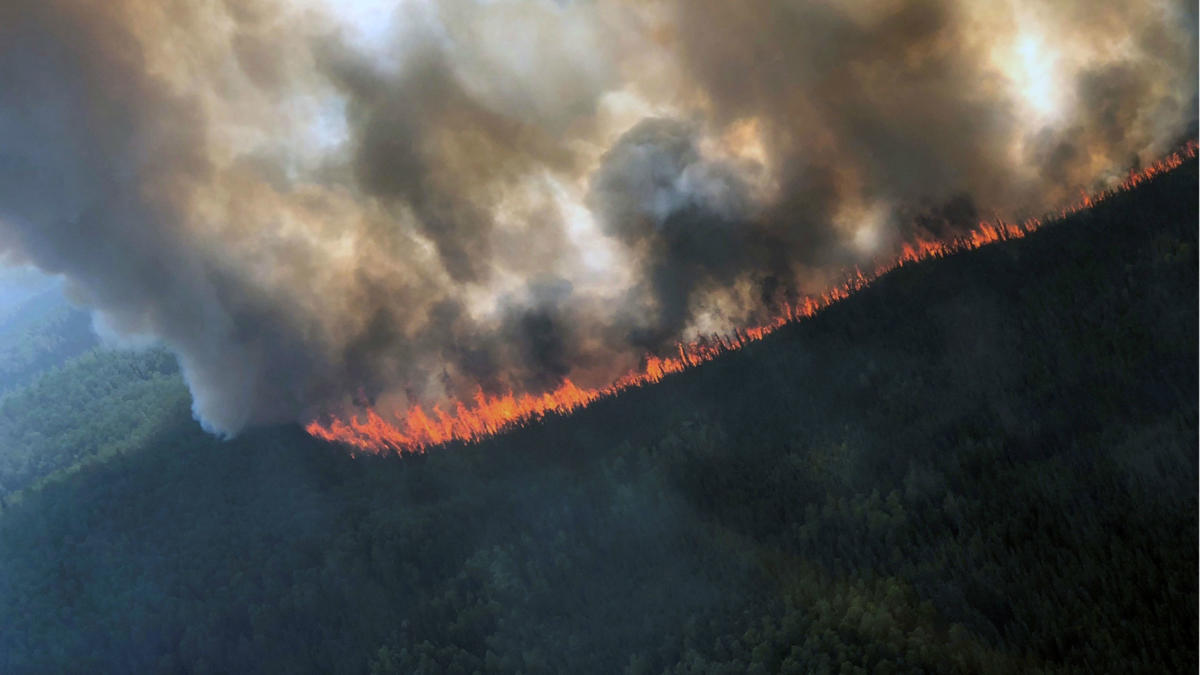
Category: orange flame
[485,416]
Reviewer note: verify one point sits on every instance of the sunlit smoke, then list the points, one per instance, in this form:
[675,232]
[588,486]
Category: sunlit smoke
[327,207]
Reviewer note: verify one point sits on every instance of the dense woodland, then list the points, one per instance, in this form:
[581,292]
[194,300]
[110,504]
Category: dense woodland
[985,463]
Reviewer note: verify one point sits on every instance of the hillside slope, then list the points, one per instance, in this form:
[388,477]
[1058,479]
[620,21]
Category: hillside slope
[40,333]
[985,463]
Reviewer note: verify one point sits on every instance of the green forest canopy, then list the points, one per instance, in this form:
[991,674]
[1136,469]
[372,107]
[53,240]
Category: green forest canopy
[980,464]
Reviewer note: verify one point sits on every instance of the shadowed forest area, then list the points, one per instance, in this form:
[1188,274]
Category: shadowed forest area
[985,463]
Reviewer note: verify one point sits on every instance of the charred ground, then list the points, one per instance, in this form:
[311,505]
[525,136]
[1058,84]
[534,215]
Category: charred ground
[985,463]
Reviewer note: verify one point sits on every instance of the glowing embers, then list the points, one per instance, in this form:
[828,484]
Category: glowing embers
[483,416]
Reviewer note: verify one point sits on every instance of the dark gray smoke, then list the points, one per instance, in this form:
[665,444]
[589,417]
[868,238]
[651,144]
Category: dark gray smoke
[315,213]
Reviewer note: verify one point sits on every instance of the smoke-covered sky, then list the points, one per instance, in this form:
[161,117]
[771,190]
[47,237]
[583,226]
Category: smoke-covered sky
[322,204]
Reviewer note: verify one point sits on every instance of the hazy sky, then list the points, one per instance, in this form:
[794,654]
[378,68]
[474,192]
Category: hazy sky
[19,283]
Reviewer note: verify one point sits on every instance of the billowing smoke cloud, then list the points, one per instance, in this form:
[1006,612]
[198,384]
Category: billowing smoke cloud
[315,211]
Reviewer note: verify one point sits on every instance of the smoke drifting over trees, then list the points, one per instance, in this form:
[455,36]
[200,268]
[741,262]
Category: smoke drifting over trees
[312,214]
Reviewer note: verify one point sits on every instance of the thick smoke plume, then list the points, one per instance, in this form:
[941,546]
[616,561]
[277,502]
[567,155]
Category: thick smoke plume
[326,205]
